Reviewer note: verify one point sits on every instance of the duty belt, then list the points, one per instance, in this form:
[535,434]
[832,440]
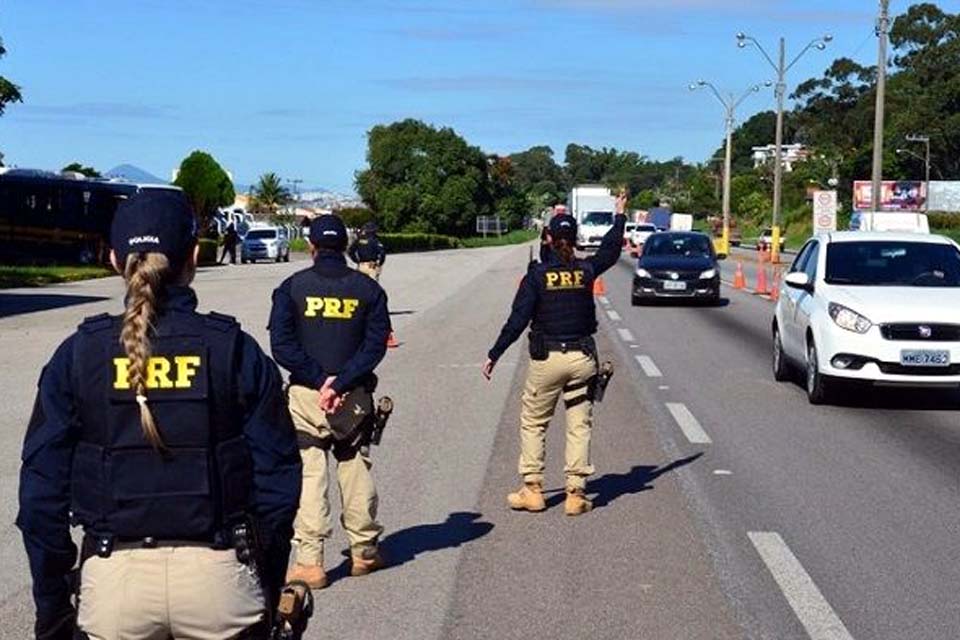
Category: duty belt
[586,345]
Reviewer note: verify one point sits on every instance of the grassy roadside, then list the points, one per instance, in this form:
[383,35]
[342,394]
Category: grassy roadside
[514,237]
[12,276]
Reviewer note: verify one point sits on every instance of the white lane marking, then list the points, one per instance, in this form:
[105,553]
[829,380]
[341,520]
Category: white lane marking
[625,335]
[815,613]
[664,387]
[722,472]
[649,367]
[613,315]
[604,300]
[688,423]
[634,346]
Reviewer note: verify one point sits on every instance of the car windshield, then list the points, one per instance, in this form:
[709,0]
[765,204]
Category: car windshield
[599,218]
[893,264]
[687,246]
[262,234]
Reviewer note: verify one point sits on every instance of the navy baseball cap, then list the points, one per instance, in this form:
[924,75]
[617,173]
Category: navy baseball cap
[154,221]
[563,226]
[328,232]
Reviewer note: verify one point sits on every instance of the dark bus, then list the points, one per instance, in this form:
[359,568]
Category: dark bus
[49,217]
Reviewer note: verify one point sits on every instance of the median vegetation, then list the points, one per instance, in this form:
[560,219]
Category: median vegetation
[36,276]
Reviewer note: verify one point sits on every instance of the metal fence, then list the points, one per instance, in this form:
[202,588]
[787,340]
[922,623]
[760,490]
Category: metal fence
[491,225]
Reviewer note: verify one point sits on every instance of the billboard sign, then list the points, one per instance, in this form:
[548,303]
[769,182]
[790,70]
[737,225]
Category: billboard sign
[895,195]
[824,211]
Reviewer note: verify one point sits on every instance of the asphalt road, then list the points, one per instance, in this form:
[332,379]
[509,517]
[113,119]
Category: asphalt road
[726,506]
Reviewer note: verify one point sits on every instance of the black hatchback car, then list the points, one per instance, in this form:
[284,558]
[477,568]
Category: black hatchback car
[677,265]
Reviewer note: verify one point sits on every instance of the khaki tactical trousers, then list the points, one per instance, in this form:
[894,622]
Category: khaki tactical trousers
[567,374]
[358,494]
[180,592]
[371,269]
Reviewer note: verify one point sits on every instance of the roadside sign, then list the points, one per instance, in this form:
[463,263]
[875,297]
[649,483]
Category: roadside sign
[824,211]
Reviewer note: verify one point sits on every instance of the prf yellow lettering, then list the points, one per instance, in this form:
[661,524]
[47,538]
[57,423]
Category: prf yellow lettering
[552,278]
[337,308]
[158,372]
[566,279]
[578,278]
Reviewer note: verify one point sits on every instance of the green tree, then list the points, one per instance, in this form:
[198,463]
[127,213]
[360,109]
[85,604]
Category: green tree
[269,194]
[78,167]
[206,185]
[356,217]
[9,92]
[537,175]
[420,178]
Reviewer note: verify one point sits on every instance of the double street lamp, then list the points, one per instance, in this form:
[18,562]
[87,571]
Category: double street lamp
[730,104]
[781,68]
[925,140]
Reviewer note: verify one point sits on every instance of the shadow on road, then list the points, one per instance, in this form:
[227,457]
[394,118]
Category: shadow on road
[403,312]
[683,302]
[611,486]
[897,399]
[405,545]
[12,304]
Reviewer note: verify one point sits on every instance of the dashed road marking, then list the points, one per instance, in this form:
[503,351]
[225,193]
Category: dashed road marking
[613,315]
[664,387]
[815,613]
[722,472]
[688,423]
[625,335]
[604,300]
[649,367]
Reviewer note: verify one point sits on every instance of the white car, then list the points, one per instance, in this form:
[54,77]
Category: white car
[639,236]
[265,243]
[878,308]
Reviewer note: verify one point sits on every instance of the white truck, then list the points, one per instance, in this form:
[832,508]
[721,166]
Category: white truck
[681,222]
[593,206]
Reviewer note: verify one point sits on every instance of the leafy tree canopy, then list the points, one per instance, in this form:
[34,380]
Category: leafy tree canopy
[205,183]
[269,194]
[78,167]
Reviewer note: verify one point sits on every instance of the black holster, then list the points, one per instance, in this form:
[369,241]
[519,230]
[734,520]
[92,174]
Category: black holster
[538,346]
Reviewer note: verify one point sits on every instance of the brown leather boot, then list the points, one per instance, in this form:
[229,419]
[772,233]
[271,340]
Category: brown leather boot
[528,498]
[368,561]
[576,503]
[312,575]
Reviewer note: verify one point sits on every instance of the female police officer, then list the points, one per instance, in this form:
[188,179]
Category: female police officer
[556,300]
[164,433]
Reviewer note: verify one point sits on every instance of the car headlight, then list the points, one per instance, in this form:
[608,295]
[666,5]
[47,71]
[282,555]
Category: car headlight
[643,273]
[709,274]
[848,318]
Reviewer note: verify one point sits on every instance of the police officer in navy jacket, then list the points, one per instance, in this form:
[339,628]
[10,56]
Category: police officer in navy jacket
[164,433]
[329,327]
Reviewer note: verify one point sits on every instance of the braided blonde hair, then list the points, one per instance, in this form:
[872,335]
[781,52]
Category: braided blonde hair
[147,275]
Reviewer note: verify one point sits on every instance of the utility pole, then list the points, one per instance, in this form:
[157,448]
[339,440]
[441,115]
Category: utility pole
[780,90]
[876,187]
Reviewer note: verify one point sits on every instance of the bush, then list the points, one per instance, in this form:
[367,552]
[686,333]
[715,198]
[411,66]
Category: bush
[409,242]
[944,220]
[208,252]
[300,245]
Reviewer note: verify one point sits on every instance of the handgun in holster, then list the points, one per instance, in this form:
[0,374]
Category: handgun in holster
[602,379]
[294,610]
[380,418]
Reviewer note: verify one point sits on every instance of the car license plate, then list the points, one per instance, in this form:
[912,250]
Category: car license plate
[924,358]
[670,285]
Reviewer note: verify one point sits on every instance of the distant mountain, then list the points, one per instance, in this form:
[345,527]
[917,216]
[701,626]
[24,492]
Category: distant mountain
[135,174]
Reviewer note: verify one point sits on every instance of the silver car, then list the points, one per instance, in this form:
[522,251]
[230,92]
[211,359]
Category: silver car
[265,243]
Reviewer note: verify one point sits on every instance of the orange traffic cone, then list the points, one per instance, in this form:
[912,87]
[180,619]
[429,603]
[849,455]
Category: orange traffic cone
[775,285]
[392,341]
[739,280]
[599,289]
[762,287]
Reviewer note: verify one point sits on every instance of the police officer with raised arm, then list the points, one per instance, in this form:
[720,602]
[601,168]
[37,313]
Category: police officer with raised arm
[162,432]
[329,327]
[368,252]
[556,301]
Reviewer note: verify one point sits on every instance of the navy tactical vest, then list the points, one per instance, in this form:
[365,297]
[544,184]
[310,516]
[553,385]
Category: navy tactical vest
[332,304]
[565,308]
[368,250]
[120,485]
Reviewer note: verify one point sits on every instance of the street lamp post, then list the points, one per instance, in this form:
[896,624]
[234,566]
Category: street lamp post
[926,162]
[730,105]
[296,194]
[780,90]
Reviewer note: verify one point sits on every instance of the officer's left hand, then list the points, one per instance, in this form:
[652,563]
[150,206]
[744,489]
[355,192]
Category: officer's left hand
[330,400]
[487,369]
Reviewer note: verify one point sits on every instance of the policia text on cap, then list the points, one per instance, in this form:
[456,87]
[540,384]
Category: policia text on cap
[556,301]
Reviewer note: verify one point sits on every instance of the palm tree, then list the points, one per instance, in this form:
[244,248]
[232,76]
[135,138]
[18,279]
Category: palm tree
[269,194]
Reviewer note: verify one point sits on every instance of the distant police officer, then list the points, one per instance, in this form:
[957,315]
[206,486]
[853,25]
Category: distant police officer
[556,301]
[368,252]
[329,327]
[163,433]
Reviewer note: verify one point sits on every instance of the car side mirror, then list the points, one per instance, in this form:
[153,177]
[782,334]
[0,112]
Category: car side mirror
[798,280]
[721,256]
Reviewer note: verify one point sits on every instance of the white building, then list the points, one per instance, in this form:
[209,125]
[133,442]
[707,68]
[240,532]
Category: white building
[789,153]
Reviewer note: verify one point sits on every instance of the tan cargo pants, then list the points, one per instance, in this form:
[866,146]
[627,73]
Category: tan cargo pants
[358,495]
[168,592]
[372,269]
[567,374]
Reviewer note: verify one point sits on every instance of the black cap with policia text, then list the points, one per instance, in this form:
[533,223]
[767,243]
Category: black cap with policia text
[328,232]
[154,221]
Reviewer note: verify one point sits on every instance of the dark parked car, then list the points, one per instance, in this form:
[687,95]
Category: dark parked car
[677,265]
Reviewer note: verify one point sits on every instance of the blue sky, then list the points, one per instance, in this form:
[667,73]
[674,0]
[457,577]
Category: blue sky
[292,86]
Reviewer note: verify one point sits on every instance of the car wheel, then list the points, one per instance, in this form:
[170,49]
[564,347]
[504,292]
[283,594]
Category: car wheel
[636,301]
[781,369]
[818,385]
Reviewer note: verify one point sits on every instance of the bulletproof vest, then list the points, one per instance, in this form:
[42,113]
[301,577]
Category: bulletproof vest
[368,250]
[332,304]
[122,486]
[565,308]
